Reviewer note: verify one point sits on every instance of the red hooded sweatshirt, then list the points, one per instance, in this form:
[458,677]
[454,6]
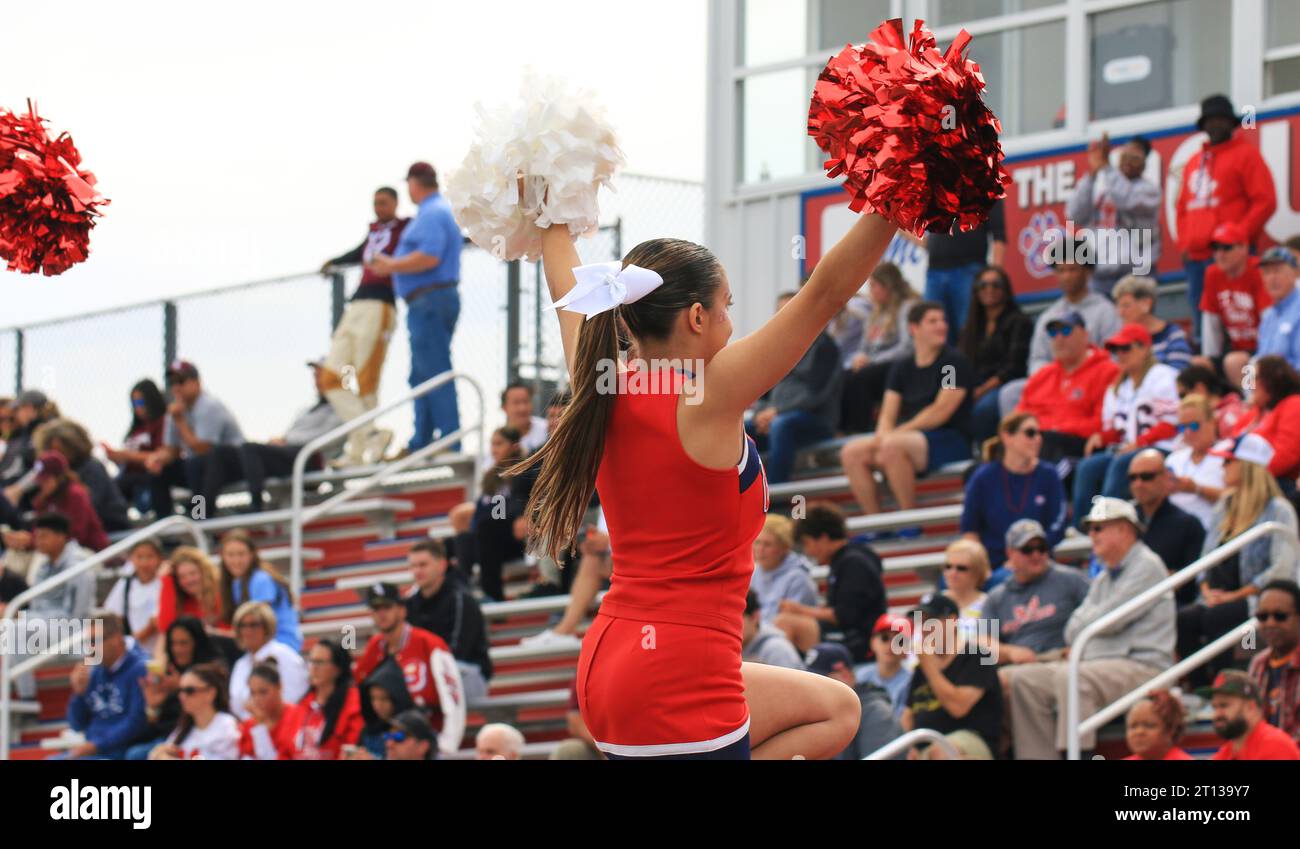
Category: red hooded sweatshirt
[1070,403]
[1224,182]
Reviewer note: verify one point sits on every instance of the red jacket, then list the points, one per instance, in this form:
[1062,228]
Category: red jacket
[1281,428]
[1225,182]
[417,646]
[74,502]
[1070,403]
[309,719]
[258,743]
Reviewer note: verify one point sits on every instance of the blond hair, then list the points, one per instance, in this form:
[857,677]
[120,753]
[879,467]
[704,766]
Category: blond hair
[259,610]
[781,528]
[1244,504]
[978,554]
[1198,404]
[210,595]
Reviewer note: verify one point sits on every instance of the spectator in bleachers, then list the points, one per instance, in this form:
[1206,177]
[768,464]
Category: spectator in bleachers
[107,705]
[55,488]
[965,572]
[485,529]
[70,439]
[267,734]
[855,595]
[246,577]
[1140,411]
[848,328]
[198,425]
[594,567]
[360,342]
[924,420]
[1172,533]
[206,729]
[1120,207]
[780,572]
[57,552]
[1275,415]
[1276,669]
[498,742]
[802,409]
[136,594]
[955,689]
[411,738]
[884,341]
[1227,181]
[329,716]
[1239,718]
[191,587]
[275,459]
[995,339]
[1230,590]
[1067,395]
[1153,728]
[143,438]
[890,639]
[441,602]
[383,696]
[763,642]
[1277,327]
[1232,304]
[1229,411]
[1135,301]
[6,421]
[393,637]
[255,630]
[879,724]
[1197,474]
[1013,484]
[954,260]
[517,404]
[31,409]
[1131,652]
[11,586]
[186,644]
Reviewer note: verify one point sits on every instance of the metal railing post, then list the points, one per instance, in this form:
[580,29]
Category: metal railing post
[921,735]
[512,321]
[170,342]
[20,346]
[338,299]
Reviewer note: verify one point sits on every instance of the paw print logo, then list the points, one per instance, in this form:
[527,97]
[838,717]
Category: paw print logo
[1034,239]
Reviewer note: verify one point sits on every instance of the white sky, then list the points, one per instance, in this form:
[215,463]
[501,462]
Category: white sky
[241,141]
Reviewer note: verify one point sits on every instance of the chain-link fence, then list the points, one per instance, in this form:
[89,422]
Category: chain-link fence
[251,342]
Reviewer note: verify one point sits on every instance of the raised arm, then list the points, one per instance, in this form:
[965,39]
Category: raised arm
[559,258]
[741,373]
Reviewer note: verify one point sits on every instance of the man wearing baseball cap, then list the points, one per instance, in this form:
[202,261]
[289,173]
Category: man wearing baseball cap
[1128,654]
[411,738]
[891,642]
[1279,329]
[1227,180]
[426,270]
[1029,610]
[411,647]
[1239,718]
[1232,303]
[879,725]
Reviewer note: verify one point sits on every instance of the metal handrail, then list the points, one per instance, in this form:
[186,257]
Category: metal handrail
[1074,731]
[904,743]
[159,528]
[300,516]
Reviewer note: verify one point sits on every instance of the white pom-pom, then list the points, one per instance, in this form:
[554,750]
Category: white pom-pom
[561,142]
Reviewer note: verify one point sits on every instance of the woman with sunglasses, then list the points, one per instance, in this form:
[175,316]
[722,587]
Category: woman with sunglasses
[996,339]
[268,733]
[186,645]
[143,437]
[1140,411]
[1012,484]
[206,730]
[1154,727]
[1197,472]
[1230,590]
[965,571]
[329,716]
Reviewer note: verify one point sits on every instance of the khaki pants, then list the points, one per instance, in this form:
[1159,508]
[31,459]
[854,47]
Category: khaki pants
[359,345]
[1038,701]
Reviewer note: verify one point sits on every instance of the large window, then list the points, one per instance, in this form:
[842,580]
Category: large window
[1282,42]
[945,12]
[1025,77]
[774,124]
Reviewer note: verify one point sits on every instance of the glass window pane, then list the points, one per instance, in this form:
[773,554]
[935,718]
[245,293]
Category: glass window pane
[1283,23]
[1281,77]
[1025,78]
[1159,55]
[773,31]
[774,125]
[945,12]
[844,22]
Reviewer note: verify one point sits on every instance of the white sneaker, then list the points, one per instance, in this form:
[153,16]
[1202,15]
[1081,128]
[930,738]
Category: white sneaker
[549,639]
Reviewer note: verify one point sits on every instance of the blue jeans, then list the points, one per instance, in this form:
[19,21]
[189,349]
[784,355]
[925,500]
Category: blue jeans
[431,321]
[986,416]
[140,751]
[951,287]
[1195,286]
[788,433]
[1100,474]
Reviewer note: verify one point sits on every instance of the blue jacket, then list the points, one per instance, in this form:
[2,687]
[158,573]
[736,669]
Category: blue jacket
[262,587]
[1279,330]
[111,711]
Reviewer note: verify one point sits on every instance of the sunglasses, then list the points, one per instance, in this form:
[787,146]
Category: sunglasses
[249,624]
[1276,616]
[1194,427]
[1031,432]
[1054,330]
[1034,548]
[1119,349]
[189,691]
[1221,248]
[1145,477]
[396,737]
[987,284]
[955,567]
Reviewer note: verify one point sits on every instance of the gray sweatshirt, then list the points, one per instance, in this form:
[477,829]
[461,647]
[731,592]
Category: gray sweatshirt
[1135,205]
[71,600]
[771,647]
[1147,635]
[790,579]
[813,385]
[1098,313]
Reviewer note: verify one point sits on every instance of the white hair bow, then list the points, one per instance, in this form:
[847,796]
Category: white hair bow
[606,285]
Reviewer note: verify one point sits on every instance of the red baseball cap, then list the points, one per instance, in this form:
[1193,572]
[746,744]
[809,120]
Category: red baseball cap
[889,623]
[1130,334]
[1229,233]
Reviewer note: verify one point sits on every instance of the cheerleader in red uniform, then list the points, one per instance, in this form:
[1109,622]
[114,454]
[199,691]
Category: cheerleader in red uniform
[662,439]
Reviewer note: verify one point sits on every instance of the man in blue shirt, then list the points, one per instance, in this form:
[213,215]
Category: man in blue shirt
[1279,328]
[107,704]
[426,270]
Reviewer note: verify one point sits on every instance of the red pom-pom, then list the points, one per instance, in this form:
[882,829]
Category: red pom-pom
[47,203]
[908,128]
